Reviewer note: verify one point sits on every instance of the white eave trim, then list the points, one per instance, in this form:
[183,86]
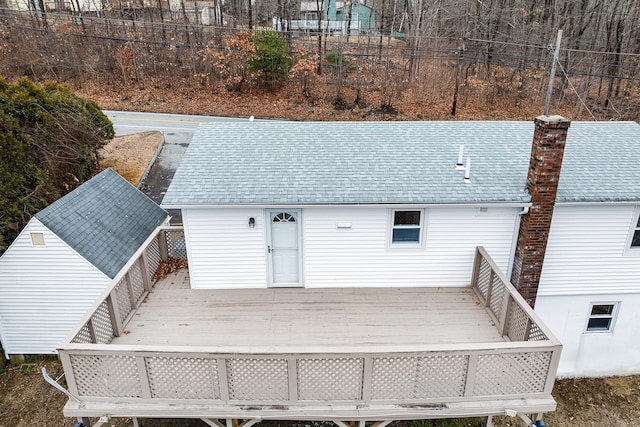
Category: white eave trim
[333,205]
[596,203]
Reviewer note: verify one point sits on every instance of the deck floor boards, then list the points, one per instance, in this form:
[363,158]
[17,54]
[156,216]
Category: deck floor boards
[282,318]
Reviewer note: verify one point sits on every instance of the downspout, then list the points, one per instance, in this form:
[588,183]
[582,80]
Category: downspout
[514,238]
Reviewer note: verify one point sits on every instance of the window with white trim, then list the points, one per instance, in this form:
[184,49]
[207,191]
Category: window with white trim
[406,227]
[635,232]
[602,317]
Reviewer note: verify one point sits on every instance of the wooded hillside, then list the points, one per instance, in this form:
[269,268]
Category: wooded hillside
[447,57]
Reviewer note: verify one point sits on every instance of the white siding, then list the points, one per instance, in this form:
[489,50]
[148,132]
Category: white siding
[43,292]
[593,354]
[587,252]
[223,251]
[361,255]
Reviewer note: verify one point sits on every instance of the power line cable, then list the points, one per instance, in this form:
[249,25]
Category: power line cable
[574,90]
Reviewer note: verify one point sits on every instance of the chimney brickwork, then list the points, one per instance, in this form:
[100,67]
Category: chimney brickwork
[542,184]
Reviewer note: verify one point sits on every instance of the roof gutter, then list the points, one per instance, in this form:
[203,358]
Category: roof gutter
[523,205]
[601,203]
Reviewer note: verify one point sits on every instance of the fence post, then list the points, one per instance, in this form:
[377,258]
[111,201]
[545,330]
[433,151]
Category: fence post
[470,383]
[144,270]
[476,268]
[114,312]
[162,244]
[504,313]
[65,359]
[367,379]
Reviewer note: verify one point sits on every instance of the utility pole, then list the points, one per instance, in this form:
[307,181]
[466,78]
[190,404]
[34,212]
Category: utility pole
[552,77]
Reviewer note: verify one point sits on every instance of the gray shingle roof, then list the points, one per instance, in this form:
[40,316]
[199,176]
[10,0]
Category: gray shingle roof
[105,220]
[270,163]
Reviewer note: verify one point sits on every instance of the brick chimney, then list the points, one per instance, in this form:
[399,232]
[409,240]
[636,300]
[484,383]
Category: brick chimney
[542,184]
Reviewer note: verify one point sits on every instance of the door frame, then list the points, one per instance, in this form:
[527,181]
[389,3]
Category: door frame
[268,218]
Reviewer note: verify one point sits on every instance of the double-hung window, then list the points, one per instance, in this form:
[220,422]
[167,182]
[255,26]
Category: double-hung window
[602,317]
[406,227]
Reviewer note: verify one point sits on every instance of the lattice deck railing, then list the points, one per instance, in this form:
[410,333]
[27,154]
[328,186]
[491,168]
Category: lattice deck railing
[521,367]
[130,287]
[514,318]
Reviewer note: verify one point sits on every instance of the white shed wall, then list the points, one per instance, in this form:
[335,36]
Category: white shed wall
[593,354]
[225,253]
[43,292]
[587,252]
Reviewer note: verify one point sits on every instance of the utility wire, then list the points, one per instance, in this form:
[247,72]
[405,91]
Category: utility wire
[575,91]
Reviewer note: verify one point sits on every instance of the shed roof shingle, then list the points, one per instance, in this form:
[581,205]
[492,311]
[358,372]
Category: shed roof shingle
[105,220]
[271,163]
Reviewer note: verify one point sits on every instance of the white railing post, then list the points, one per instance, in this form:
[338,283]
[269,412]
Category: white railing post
[162,244]
[476,268]
[132,294]
[144,271]
[65,360]
[553,368]
[144,378]
[293,379]
[114,313]
[223,382]
[470,383]
[92,330]
[503,324]
[367,379]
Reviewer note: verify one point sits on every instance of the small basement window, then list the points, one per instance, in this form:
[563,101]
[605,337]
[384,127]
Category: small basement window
[407,227]
[37,240]
[602,317]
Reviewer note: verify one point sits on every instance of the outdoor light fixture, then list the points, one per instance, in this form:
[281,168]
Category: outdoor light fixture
[252,222]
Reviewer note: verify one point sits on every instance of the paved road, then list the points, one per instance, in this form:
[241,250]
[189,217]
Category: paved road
[177,130]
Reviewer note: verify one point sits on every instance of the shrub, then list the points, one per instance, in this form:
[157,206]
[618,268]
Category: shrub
[271,57]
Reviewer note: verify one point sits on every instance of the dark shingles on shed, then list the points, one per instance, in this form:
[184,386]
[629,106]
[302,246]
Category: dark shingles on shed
[105,220]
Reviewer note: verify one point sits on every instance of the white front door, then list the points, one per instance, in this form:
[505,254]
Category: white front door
[284,248]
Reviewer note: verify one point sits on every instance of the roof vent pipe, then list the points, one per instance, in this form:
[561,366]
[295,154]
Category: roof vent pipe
[467,172]
[459,165]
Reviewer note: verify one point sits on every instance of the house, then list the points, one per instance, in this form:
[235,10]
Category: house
[375,272]
[66,256]
[55,5]
[337,17]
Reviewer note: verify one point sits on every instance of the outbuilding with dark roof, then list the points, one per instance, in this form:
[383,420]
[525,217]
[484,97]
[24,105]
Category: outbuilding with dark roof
[66,256]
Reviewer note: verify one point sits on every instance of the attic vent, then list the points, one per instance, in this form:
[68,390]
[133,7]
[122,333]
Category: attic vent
[37,240]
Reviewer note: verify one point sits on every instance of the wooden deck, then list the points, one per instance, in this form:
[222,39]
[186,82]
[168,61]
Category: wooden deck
[309,320]
[314,354]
